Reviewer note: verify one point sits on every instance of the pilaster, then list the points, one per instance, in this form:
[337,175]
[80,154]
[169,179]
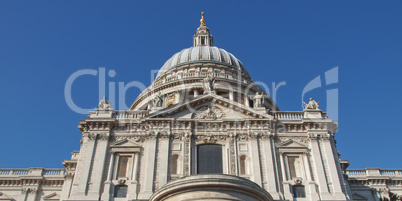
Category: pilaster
[271,172]
[98,166]
[319,168]
[85,170]
[149,160]
[332,167]
[164,162]
[256,166]
[108,183]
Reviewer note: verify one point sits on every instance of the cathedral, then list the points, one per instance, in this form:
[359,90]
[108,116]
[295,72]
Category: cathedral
[203,130]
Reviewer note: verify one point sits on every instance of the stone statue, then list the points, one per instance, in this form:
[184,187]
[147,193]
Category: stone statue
[104,104]
[208,84]
[311,104]
[158,101]
[258,99]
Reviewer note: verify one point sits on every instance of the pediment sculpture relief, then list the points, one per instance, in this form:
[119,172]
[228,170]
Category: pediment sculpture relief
[208,112]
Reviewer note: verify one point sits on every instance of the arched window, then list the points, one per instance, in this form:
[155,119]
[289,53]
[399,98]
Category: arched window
[174,164]
[209,159]
[243,165]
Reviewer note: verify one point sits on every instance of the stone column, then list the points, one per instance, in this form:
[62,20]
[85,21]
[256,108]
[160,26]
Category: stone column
[246,100]
[195,93]
[148,179]
[231,95]
[135,169]
[271,172]
[179,96]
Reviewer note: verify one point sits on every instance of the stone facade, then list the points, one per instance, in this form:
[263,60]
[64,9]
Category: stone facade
[203,131]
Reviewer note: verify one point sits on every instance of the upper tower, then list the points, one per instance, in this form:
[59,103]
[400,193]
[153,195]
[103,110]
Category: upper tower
[202,69]
[203,37]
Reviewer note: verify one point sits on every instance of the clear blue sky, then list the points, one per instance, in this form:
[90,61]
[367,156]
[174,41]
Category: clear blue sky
[42,43]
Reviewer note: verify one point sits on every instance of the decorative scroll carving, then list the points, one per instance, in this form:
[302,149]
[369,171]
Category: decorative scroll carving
[242,137]
[208,112]
[91,136]
[297,180]
[29,190]
[313,137]
[170,100]
[232,156]
[294,138]
[326,136]
[187,156]
[210,138]
[69,175]
[104,136]
[131,137]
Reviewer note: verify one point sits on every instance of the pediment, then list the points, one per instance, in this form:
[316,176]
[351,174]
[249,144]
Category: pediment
[52,196]
[290,144]
[220,108]
[4,196]
[126,143]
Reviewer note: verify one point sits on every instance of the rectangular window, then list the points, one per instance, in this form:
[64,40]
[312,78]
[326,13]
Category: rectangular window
[298,191]
[124,165]
[294,166]
[173,167]
[120,191]
[209,159]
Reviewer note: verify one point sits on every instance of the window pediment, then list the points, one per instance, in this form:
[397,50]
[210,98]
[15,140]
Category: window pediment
[290,146]
[125,146]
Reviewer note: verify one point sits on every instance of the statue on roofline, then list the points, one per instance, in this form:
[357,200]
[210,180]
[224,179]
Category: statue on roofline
[104,104]
[312,104]
[258,99]
[209,83]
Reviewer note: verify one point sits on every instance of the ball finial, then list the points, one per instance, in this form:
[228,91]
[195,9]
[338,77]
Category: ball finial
[202,20]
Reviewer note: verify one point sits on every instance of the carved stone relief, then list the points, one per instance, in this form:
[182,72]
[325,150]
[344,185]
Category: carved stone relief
[208,112]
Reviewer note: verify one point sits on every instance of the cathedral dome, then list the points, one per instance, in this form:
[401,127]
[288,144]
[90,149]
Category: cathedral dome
[201,54]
